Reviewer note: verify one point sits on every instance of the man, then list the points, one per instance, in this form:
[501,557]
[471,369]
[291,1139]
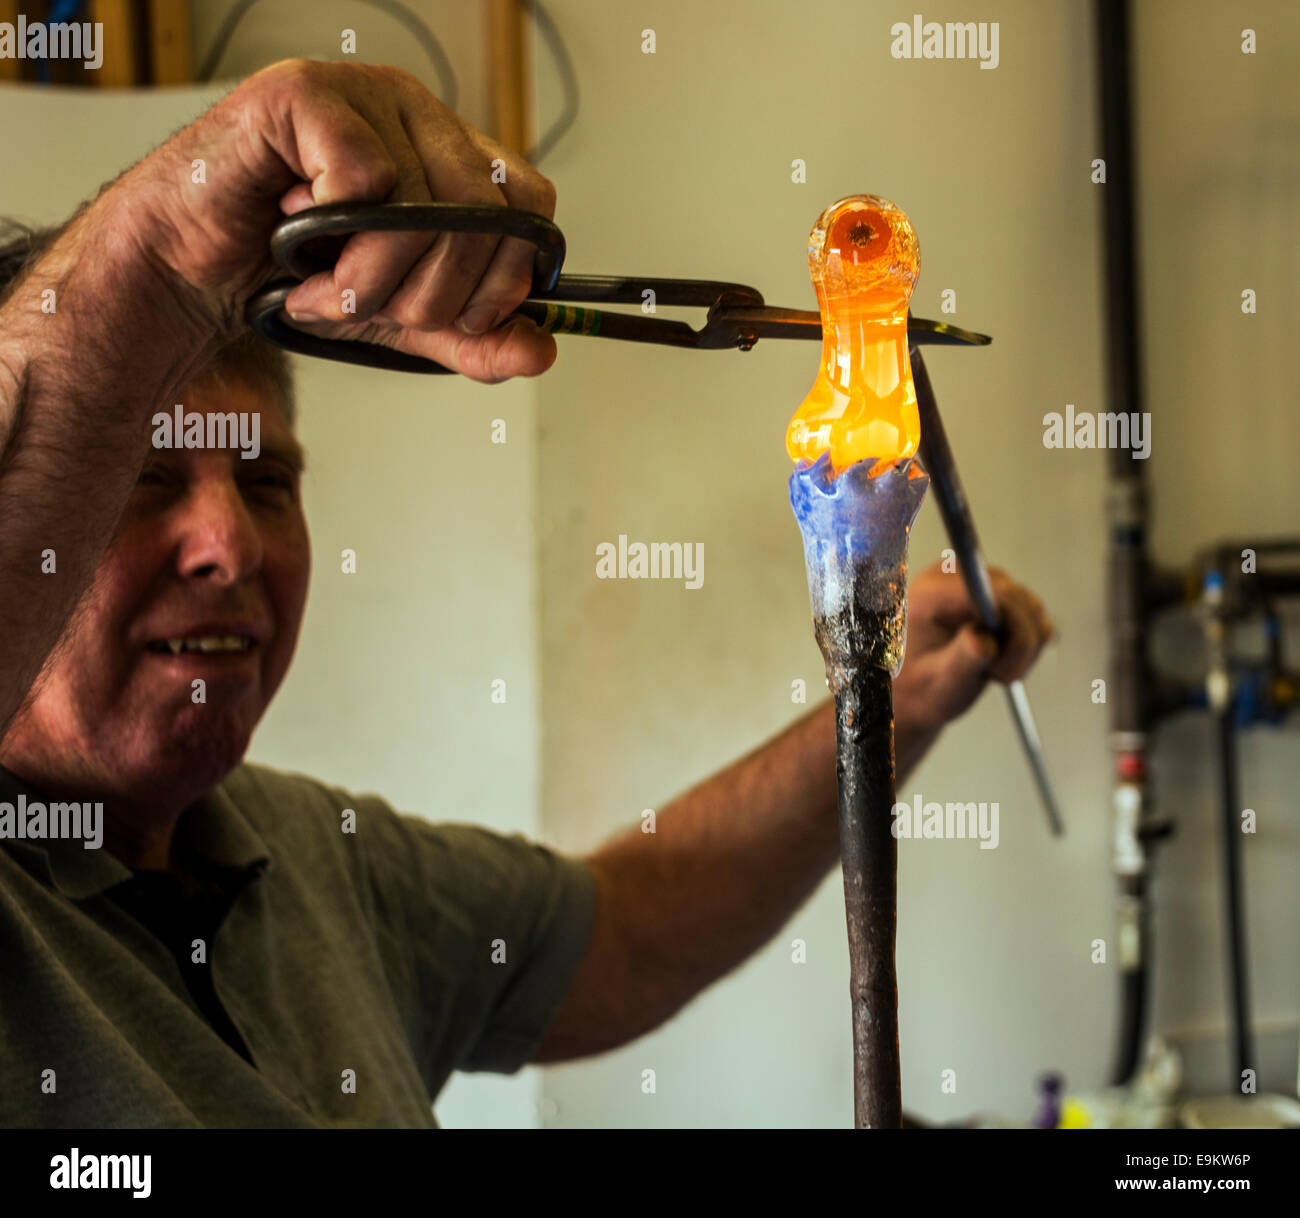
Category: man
[258,949]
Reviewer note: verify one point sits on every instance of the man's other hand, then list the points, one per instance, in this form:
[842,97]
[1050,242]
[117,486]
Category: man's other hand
[950,657]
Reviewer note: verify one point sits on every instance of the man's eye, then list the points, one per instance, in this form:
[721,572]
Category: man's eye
[274,482]
[152,476]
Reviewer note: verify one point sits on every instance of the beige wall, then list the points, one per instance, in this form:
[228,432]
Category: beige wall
[680,165]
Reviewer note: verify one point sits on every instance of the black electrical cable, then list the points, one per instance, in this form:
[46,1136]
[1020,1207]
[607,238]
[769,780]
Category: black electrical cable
[568,80]
[447,83]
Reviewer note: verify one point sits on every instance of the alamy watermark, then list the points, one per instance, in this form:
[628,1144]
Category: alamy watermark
[189,429]
[1106,429]
[82,40]
[37,821]
[127,1172]
[949,40]
[949,820]
[682,560]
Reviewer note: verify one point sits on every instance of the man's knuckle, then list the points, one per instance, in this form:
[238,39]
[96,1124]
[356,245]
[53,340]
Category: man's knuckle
[294,73]
[407,311]
[543,191]
[463,259]
[399,78]
[512,287]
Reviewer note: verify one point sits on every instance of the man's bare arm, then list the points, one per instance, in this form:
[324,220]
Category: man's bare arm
[732,859]
[92,338]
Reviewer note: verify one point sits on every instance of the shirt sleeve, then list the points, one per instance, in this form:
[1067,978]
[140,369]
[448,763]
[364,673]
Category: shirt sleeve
[494,926]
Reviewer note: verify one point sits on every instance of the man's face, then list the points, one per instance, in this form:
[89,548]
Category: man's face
[211,554]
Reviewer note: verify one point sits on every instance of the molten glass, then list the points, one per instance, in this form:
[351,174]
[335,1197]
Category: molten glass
[864,260]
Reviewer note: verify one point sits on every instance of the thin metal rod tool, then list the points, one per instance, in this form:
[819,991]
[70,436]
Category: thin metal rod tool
[936,456]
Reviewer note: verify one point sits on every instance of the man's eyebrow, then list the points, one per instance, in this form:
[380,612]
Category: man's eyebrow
[292,455]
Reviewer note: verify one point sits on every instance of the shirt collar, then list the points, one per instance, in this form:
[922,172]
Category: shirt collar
[215,828]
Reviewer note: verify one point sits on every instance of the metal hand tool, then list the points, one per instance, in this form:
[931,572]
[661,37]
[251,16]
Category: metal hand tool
[737,316]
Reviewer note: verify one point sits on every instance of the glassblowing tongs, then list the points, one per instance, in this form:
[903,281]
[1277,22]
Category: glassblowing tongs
[737,318]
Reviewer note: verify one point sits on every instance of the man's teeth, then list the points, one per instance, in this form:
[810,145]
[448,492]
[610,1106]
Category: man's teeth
[208,643]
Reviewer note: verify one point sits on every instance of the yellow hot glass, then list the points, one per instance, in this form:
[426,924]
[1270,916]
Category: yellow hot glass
[864,260]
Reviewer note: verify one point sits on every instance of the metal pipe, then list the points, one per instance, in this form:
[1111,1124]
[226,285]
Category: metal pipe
[1238,981]
[864,732]
[1221,697]
[1127,519]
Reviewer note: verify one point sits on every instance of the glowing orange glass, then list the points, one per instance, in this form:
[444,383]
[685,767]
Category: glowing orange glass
[864,260]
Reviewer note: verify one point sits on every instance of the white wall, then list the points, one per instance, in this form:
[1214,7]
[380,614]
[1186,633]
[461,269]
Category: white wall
[680,164]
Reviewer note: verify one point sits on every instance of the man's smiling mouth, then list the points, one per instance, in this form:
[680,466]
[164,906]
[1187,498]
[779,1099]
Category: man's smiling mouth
[207,644]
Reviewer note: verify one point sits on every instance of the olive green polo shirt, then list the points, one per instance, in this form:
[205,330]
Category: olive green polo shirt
[359,969]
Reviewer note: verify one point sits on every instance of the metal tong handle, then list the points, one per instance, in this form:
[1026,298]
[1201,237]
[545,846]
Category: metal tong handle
[936,456]
[288,245]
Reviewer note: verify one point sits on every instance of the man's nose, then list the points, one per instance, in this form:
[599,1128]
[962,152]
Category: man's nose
[219,536]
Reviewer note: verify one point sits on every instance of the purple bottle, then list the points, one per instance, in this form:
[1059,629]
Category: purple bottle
[1048,1115]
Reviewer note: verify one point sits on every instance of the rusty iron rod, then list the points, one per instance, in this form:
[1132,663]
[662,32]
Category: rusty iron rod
[855,529]
[864,731]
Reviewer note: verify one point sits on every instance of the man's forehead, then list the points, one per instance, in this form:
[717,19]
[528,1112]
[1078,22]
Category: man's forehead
[211,395]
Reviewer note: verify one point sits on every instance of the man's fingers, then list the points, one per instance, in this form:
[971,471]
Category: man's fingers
[434,291]
[297,198]
[509,279]
[381,136]
[950,606]
[373,265]
[416,279]
[1004,586]
[516,349]
[325,141]
[1024,639]
[976,646]
[506,282]
[945,681]
[950,603]
[494,175]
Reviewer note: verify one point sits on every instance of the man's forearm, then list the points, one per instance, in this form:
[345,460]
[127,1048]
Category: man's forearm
[729,862]
[93,339]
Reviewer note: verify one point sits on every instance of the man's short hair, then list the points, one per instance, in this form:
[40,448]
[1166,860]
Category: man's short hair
[247,359]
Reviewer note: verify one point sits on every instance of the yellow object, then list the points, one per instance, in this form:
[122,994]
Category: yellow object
[1074,1116]
[864,260]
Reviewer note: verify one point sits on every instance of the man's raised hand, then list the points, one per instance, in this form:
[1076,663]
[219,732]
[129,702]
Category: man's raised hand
[301,133]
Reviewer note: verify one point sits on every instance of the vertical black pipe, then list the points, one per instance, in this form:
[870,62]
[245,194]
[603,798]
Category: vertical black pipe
[1124,363]
[1127,565]
[1238,989]
[864,729]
